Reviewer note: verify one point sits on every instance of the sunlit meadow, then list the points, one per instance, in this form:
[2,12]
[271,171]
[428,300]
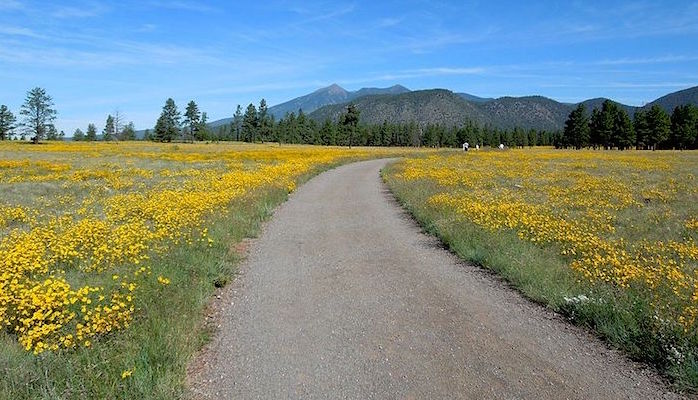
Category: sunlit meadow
[80,224]
[624,223]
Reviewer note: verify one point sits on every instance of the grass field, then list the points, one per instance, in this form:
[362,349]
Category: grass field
[109,253]
[606,238]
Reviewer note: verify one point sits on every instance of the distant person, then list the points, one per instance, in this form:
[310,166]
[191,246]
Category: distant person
[477,147]
[501,146]
[465,146]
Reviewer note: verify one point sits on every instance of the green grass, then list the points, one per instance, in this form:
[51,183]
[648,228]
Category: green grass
[168,329]
[621,318]
[166,333]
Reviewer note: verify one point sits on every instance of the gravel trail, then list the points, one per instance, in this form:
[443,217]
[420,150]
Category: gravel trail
[343,297]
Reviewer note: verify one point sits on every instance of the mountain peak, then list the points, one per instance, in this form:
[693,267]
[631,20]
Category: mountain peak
[398,88]
[334,89]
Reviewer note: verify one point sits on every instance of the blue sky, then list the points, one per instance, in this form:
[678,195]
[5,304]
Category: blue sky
[98,57]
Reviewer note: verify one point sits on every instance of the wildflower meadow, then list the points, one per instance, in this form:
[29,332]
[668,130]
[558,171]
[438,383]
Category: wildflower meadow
[607,238]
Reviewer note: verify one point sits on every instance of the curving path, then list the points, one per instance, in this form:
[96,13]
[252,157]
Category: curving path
[343,297]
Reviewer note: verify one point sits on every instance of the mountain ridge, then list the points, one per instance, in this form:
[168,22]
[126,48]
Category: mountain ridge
[528,112]
[536,112]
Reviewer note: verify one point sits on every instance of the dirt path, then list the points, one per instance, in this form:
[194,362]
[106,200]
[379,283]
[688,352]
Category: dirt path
[343,297]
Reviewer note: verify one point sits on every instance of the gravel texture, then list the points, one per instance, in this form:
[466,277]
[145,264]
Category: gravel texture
[343,297]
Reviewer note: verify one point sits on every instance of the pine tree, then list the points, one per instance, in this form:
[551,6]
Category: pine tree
[167,126]
[623,129]
[38,113]
[109,129]
[328,133]
[129,132]
[236,127]
[642,130]
[7,122]
[602,125]
[91,134]
[684,126]
[533,137]
[52,133]
[349,122]
[202,131]
[265,121]
[659,126]
[250,124]
[78,135]
[576,133]
[192,117]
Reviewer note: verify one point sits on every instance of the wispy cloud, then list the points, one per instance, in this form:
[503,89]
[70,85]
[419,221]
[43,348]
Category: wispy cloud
[430,41]
[414,74]
[86,10]
[184,6]
[110,54]
[647,60]
[19,31]
[389,22]
[323,16]
[147,28]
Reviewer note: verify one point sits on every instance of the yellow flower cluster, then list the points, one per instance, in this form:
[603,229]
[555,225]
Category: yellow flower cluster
[617,216]
[82,223]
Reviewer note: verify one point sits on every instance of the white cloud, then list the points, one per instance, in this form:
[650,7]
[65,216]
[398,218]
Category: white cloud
[19,31]
[85,11]
[183,6]
[647,60]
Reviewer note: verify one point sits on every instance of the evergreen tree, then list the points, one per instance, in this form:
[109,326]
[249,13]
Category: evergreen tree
[264,121]
[520,137]
[109,129]
[167,125]
[659,126]
[250,124]
[533,137]
[577,132]
[684,127]
[602,125]
[129,132]
[202,131]
[7,122]
[91,134]
[78,135]
[236,127]
[623,129]
[349,122]
[38,113]
[52,133]
[192,118]
[304,130]
[642,130]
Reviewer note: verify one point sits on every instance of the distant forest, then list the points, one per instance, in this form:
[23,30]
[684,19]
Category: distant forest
[608,127]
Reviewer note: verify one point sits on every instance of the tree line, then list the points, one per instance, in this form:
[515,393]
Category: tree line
[610,127]
[38,116]
[257,125]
